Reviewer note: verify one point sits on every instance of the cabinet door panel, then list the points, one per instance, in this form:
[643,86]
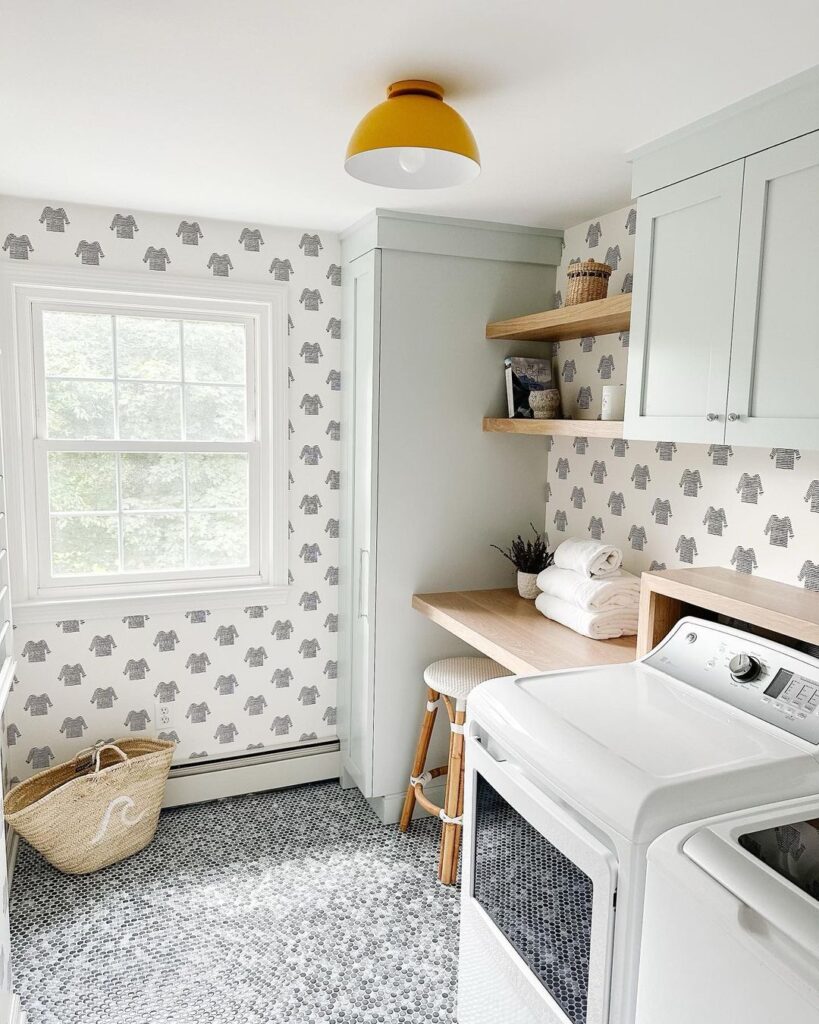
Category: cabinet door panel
[685,272]
[361,314]
[775,358]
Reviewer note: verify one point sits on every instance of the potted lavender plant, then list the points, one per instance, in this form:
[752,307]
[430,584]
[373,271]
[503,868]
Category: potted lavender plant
[529,557]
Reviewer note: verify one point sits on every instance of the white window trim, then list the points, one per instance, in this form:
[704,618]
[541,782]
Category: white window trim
[21,287]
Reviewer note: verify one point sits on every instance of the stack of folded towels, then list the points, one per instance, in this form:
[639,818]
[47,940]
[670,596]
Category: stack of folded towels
[587,590]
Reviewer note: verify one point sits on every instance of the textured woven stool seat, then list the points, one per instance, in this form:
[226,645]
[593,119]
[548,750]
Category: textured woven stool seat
[450,680]
[458,677]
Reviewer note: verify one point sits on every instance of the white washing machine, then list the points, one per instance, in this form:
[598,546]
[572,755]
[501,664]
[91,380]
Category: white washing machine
[571,775]
[728,935]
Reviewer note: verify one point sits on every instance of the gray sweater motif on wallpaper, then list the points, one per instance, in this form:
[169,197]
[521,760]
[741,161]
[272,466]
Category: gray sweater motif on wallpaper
[616,503]
[720,453]
[166,692]
[686,548]
[90,253]
[661,510]
[226,685]
[282,630]
[157,259]
[281,678]
[104,697]
[18,246]
[71,675]
[640,476]
[137,721]
[251,239]
[311,299]
[55,220]
[73,728]
[716,520]
[124,224]
[255,705]
[190,232]
[38,704]
[750,487]
[35,651]
[310,245]
[136,669]
[281,269]
[785,458]
[691,482]
[744,559]
[780,530]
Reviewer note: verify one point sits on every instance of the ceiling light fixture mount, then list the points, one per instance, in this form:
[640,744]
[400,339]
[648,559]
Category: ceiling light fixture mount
[413,140]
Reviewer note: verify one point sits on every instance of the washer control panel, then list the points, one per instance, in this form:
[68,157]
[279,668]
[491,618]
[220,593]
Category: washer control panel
[768,680]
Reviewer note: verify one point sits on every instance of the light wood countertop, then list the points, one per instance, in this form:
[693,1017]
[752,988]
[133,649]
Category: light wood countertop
[509,629]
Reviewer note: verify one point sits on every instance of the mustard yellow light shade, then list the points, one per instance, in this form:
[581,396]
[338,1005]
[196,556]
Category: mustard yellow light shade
[413,140]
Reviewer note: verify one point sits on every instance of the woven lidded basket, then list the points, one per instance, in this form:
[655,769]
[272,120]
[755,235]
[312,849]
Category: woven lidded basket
[95,810]
[587,281]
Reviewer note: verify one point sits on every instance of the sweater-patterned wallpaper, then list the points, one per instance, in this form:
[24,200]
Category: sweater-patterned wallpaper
[670,505]
[236,679]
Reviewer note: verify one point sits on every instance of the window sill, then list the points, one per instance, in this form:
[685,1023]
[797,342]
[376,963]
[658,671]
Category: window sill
[50,610]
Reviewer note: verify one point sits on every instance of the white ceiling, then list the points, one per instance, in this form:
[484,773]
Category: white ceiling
[242,108]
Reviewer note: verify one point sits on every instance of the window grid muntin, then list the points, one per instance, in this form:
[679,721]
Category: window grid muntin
[250,446]
[120,514]
[181,382]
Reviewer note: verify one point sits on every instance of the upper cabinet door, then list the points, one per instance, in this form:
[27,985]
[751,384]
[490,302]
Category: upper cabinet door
[772,398]
[684,278]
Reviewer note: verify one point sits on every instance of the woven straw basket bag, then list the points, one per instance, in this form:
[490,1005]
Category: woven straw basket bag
[97,809]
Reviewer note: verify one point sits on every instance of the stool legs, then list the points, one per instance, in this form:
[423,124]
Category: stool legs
[454,795]
[420,756]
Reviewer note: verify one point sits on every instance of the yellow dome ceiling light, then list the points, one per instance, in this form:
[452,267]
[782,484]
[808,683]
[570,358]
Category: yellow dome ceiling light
[413,140]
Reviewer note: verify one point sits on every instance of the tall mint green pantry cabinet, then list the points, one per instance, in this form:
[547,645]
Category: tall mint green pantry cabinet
[425,491]
[725,317]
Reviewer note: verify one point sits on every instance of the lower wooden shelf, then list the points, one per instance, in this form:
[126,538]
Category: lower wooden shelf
[557,428]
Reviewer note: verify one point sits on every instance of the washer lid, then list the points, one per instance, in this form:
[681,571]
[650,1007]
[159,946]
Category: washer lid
[639,750]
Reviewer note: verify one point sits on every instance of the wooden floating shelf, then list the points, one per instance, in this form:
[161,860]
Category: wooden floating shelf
[604,316]
[556,428]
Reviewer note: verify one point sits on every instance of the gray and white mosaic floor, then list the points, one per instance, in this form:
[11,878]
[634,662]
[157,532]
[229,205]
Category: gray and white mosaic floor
[295,905]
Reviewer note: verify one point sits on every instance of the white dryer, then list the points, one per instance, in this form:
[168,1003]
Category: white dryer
[571,775]
[728,935]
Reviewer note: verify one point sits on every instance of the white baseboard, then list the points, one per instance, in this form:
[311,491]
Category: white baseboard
[388,808]
[16,1015]
[193,784]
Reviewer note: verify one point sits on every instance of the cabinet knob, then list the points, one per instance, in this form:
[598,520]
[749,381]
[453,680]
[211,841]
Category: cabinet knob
[734,416]
[711,416]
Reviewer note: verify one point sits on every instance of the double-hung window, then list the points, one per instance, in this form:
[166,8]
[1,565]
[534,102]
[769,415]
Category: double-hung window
[154,425]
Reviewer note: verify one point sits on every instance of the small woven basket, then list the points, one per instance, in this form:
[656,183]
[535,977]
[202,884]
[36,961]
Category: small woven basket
[587,281]
[95,810]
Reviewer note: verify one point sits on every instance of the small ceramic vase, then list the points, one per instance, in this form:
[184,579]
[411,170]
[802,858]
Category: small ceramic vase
[527,585]
[545,404]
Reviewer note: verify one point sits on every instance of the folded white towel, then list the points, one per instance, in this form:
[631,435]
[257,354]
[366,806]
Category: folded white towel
[597,593]
[600,625]
[588,557]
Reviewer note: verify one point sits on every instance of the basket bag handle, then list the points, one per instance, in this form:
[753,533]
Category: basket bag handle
[95,754]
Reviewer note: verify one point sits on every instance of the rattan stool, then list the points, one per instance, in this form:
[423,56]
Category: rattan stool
[450,680]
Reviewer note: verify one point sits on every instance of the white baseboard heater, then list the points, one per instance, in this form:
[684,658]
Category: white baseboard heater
[251,773]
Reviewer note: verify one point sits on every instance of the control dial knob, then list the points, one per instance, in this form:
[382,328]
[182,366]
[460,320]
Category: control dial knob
[744,668]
